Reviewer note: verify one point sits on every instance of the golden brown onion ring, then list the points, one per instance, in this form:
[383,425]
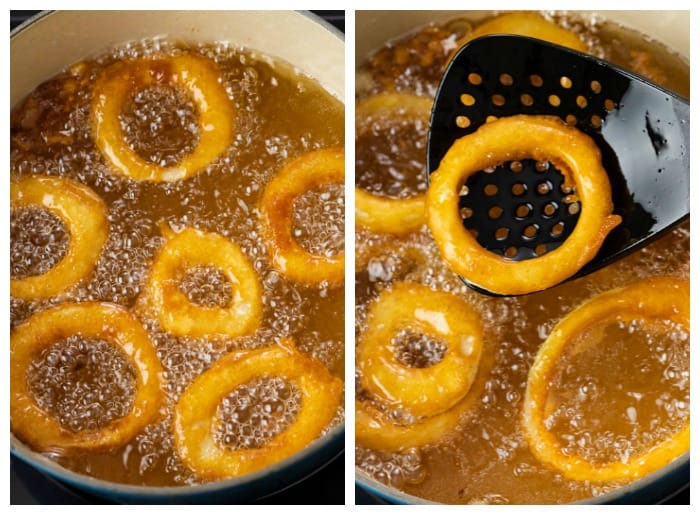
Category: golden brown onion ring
[544,138]
[422,392]
[660,298]
[198,76]
[384,214]
[85,217]
[309,171]
[103,321]
[524,24]
[196,411]
[181,317]
[450,319]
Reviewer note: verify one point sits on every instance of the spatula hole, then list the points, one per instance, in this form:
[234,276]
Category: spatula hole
[463,122]
[554,100]
[498,100]
[474,78]
[505,79]
[581,101]
[542,166]
[491,190]
[502,233]
[596,121]
[565,82]
[518,189]
[526,99]
[491,118]
[609,105]
[466,213]
[474,233]
[536,80]
[549,209]
[571,119]
[596,87]
[540,249]
[530,232]
[516,166]
[522,211]
[495,212]
[574,208]
[467,99]
[464,191]
[544,187]
[510,252]
[557,229]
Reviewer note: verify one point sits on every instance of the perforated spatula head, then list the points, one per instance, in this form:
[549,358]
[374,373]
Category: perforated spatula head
[641,129]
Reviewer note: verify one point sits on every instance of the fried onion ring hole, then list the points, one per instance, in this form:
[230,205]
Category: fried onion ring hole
[524,24]
[311,170]
[85,217]
[660,298]
[199,77]
[103,321]
[195,423]
[543,138]
[383,214]
[174,310]
[423,392]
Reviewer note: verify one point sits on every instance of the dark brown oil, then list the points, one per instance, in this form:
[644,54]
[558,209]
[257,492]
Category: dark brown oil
[279,115]
[614,398]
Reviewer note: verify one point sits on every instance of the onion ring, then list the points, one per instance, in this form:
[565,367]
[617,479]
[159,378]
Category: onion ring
[450,316]
[311,170]
[514,138]
[195,413]
[103,321]
[384,214]
[524,24]
[423,392]
[657,298]
[198,76]
[85,216]
[181,317]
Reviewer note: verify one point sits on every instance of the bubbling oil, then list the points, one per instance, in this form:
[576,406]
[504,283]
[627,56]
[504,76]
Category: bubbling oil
[38,241]
[256,412]
[612,399]
[279,115]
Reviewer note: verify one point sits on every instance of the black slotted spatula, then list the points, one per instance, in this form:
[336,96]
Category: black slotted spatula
[641,129]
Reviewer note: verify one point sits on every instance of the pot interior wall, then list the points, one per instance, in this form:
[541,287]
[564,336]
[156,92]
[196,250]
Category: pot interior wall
[64,37]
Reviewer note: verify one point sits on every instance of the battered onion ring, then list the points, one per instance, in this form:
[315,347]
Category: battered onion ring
[384,214]
[374,429]
[513,138]
[524,24]
[198,76]
[85,217]
[181,317]
[311,170]
[108,322]
[195,414]
[658,298]
[423,392]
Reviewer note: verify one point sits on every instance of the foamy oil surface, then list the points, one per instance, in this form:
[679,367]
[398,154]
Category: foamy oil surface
[279,115]
[612,399]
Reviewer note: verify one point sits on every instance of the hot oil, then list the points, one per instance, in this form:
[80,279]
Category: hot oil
[279,114]
[614,413]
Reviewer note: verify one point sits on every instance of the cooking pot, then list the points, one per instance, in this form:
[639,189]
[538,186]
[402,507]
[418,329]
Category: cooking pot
[47,43]
[372,30]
